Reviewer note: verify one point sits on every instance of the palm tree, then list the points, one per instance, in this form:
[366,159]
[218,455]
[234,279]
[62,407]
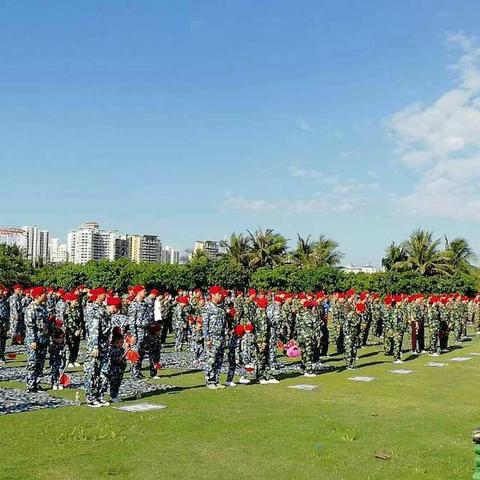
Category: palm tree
[267,248]
[458,254]
[394,255]
[237,249]
[303,251]
[325,252]
[423,255]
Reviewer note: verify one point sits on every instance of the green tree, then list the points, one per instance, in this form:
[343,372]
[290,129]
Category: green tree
[325,253]
[395,255]
[268,249]
[459,254]
[14,267]
[237,249]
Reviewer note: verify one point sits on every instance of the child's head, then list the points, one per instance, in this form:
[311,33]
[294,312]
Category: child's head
[117,341]
[58,336]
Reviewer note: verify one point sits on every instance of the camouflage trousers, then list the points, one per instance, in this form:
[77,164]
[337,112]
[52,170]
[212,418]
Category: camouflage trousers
[150,348]
[394,344]
[247,356]
[458,329]
[57,362]
[272,347]
[35,363]
[181,335]
[96,376]
[265,370]
[73,343]
[17,327]
[115,377]
[310,349]
[339,338]
[234,361]
[444,333]
[351,342]
[214,359]
[3,338]
[435,338]
[364,330]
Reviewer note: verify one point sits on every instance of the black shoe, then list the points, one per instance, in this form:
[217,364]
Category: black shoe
[31,390]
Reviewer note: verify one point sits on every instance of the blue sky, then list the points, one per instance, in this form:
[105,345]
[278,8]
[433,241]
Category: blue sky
[192,120]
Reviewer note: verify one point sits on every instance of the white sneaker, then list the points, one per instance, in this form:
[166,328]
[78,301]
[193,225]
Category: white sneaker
[60,387]
[262,381]
[309,375]
[155,377]
[220,387]
[103,403]
[94,404]
[445,350]
[70,365]
[398,361]
[54,387]
[244,381]
[116,400]
[434,354]
[230,384]
[273,380]
[211,386]
[76,364]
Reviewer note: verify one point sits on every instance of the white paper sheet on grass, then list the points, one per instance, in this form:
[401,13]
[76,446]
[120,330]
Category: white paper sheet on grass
[459,359]
[362,379]
[436,364]
[303,386]
[475,354]
[401,371]
[141,407]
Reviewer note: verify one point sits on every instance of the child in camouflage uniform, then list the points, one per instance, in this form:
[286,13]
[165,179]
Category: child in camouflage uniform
[118,363]
[57,358]
[196,341]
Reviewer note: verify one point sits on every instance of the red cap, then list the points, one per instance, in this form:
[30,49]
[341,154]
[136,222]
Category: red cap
[114,301]
[360,307]
[249,328]
[183,300]
[262,302]
[37,291]
[98,291]
[239,330]
[155,292]
[251,292]
[137,289]
[215,289]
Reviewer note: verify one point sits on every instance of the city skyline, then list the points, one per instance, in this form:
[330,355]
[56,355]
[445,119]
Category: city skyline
[199,120]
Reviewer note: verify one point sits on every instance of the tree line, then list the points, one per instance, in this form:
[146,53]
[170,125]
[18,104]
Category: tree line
[262,260]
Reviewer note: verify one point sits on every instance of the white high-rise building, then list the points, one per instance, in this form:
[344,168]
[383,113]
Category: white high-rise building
[210,247]
[58,251]
[13,236]
[37,243]
[89,242]
[170,255]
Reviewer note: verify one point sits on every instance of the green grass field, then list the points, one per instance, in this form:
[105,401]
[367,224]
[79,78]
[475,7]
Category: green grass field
[422,420]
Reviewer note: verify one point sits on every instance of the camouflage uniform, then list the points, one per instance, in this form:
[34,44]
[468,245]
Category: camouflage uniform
[275,319]
[265,369]
[96,369]
[167,306]
[351,328]
[398,326]
[337,315]
[118,364]
[286,326]
[247,354]
[38,328]
[4,324]
[138,327]
[433,316]
[180,325]
[73,329]
[308,338]
[153,343]
[365,325]
[60,309]
[214,330]
[57,360]
[17,323]
[51,304]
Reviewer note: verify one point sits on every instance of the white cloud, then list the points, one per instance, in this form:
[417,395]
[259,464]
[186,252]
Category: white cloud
[441,141]
[303,124]
[336,195]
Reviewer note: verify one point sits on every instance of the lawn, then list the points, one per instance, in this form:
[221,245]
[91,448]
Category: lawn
[422,421]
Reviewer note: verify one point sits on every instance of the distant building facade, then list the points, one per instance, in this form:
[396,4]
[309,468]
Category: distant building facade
[144,248]
[89,242]
[359,268]
[211,248]
[58,252]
